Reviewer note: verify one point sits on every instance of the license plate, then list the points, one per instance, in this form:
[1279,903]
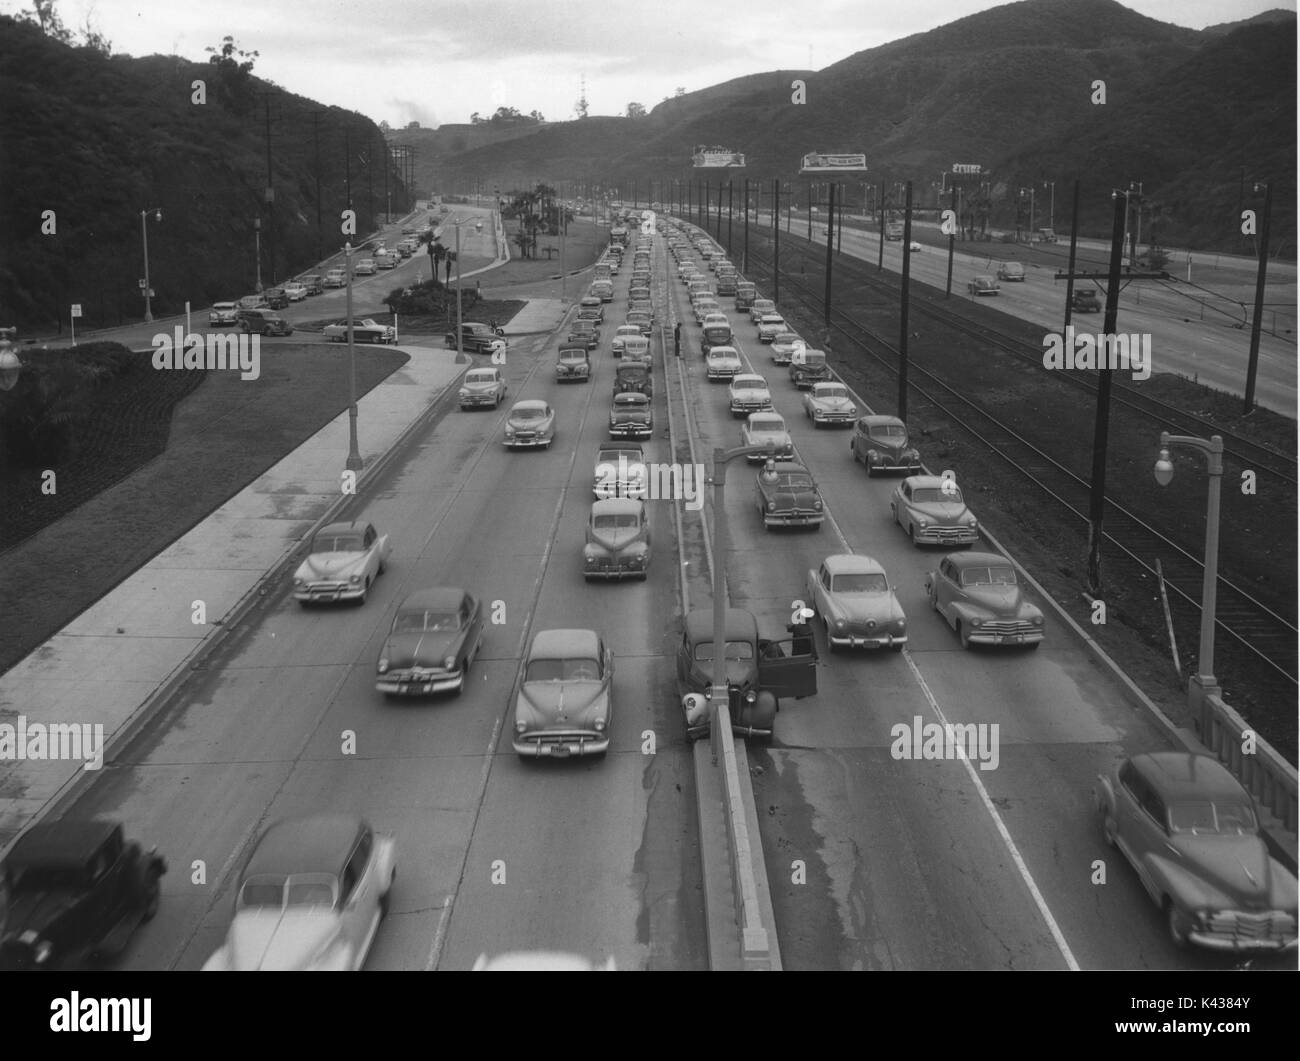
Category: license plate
[560,751]
[327,596]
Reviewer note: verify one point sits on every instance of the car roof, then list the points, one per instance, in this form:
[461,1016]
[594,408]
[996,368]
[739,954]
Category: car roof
[924,482]
[739,624]
[766,414]
[616,506]
[317,843]
[964,560]
[65,842]
[745,377]
[1188,775]
[630,398]
[355,526]
[557,644]
[824,383]
[729,350]
[881,419]
[530,403]
[852,563]
[785,467]
[434,598]
[620,445]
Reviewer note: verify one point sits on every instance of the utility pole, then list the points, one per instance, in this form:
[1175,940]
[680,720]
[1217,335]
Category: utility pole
[776,240]
[1074,243]
[745,260]
[1253,364]
[729,195]
[902,315]
[347,165]
[830,244]
[270,191]
[315,129]
[952,239]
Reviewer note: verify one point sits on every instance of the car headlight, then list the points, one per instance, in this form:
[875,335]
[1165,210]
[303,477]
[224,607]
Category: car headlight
[976,622]
[972,523]
[853,410]
[1038,620]
[913,454]
[923,523]
[771,506]
[841,623]
[42,951]
[599,725]
[510,431]
[300,582]
[751,697]
[382,665]
[354,579]
[464,393]
[871,624]
[521,727]
[817,505]
[872,455]
[449,662]
[900,625]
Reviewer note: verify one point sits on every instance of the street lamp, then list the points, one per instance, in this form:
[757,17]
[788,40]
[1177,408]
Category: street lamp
[354,453]
[144,233]
[460,338]
[257,252]
[1051,209]
[1203,683]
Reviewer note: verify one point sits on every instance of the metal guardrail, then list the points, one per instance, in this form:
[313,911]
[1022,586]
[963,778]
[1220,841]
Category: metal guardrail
[1265,774]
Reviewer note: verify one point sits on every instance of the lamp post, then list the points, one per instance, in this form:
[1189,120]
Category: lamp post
[354,453]
[144,233]
[1051,209]
[1203,683]
[257,252]
[460,338]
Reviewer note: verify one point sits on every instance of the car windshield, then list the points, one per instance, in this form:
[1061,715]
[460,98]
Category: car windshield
[793,480]
[895,434]
[1223,818]
[741,383]
[622,521]
[584,326]
[277,892]
[572,355]
[767,423]
[577,669]
[480,377]
[528,412]
[337,543]
[931,495]
[988,576]
[859,582]
[735,650]
[832,392]
[722,353]
[421,621]
[769,320]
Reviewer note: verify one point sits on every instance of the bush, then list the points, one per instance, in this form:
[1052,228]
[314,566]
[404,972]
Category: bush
[428,297]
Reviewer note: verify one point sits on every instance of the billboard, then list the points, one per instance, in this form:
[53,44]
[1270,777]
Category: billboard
[716,158]
[818,163]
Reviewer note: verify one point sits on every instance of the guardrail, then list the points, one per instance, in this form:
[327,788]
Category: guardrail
[1264,773]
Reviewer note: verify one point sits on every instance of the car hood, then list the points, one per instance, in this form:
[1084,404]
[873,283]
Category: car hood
[892,448]
[1238,866]
[882,607]
[35,912]
[331,565]
[740,672]
[1000,600]
[786,497]
[279,940]
[427,648]
[833,402]
[559,703]
[540,423]
[943,511]
[614,539]
[479,386]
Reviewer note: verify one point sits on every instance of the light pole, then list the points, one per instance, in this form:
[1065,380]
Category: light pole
[460,338]
[1051,209]
[354,453]
[144,233]
[1030,190]
[257,252]
[1203,683]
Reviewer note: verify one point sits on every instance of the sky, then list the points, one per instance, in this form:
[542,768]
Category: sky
[439,61]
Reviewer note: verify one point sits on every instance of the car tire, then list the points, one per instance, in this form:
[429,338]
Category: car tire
[365,592]
[831,647]
[1177,922]
[896,648]
[963,634]
[911,533]
[870,473]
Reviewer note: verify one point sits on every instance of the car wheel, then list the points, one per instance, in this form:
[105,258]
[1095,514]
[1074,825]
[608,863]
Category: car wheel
[365,592]
[382,567]
[1107,825]
[911,532]
[870,474]
[385,899]
[1178,922]
[151,898]
[830,645]
[963,634]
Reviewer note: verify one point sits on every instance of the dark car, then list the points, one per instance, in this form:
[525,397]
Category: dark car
[276,297]
[75,890]
[263,322]
[881,443]
[435,637]
[786,495]
[1086,301]
[633,376]
[631,416]
[476,338]
[585,333]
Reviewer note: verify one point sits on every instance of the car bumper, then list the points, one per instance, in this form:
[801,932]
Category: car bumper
[572,377]
[722,373]
[845,640]
[328,593]
[400,685]
[893,466]
[472,400]
[544,746]
[630,430]
[980,636]
[793,519]
[947,536]
[531,443]
[751,407]
[1238,930]
[820,417]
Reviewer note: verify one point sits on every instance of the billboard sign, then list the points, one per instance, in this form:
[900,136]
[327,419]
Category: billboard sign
[967,169]
[818,163]
[716,158]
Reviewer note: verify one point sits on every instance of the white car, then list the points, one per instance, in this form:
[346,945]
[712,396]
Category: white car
[759,307]
[770,325]
[295,292]
[365,267]
[223,313]
[749,394]
[723,363]
[763,428]
[621,335]
[343,561]
[310,897]
[829,403]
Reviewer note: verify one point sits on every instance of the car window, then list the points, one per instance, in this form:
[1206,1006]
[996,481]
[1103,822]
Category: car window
[530,412]
[407,622]
[825,578]
[861,582]
[370,537]
[619,521]
[356,867]
[928,495]
[563,670]
[794,480]
[894,433]
[262,891]
[338,543]
[310,891]
[45,878]
[1222,818]
[1154,805]
[736,650]
[767,424]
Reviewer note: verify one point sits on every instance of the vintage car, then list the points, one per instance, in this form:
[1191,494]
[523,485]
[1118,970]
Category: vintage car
[585,332]
[702,307]
[881,444]
[636,351]
[342,562]
[482,387]
[766,428]
[364,330]
[295,291]
[931,510]
[531,423]
[631,416]
[618,540]
[760,308]
[335,278]
[642,305]
[251,302]
[786,495]
[573,365]
[365,267]
[388,260]
[276,298]
[746,292]
[770,325]
[313,282]
[263,322]
[808,367]
[1189,829]
[1012,271]
[717,332]
[620,470]
[982,285]
[73,891]
[748,394]
[641,319]
[784,344]
[829,403]
[858,608]
[979,596]
[565,701]
[1085,300]
[630,375]
[310,897]
[604,289]
[638,293]
[476,338]
[435,637]
[759,672]
[223,313]
[723,363]
[623,333]
[591,308]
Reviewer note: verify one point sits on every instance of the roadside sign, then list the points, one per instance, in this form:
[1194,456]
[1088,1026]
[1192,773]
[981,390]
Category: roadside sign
[76,309]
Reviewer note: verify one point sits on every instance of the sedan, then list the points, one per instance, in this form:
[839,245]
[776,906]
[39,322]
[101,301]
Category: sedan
[881,443]
[482,386]
[1011,271]
[618,540]
[766,428]
[591,308]
[620,470]
[723,363]
[531,423]
[365,267]
[641,320]
[858,608]
[295,291]
[1189,830]
[982,285]
[624,332]
[931,510]
[760,308]
[631,416]
[344,559]
[786,495]
[223,313]
[749,394]
[364,330]
[829,403]
[310,897]
[435,636]
[979,596]
[586,332]
[566,696]
[335,278]
[784,344]
[770,325]
[573,365]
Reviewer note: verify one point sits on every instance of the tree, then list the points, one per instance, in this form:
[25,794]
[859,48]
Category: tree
[92,37]
[505,116]
[536,116]
[48,19]
[475,119]
[580,108]
[230,59]
[384,127]
[678,92]
[636,110]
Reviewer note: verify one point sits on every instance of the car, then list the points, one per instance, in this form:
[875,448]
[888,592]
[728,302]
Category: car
[476,338]
[746,292]
[631,375]
[335,278]
[631,416]
[618,540]
[636,350]
[759,308]
[783,346]
[74,890]
[541,961]
[263,322]
[931,510]
[223,313]
[388,260]
[982,285]
[620,470]
[1190,830]
[591,308]
[914,246]
[531,423]
[704,307]
[313,282]
[639,293]
[723,363]
[603,290]
[748,394]
[828,402]
[295,291]
[786,495]
[759,672]
[881,444]
[770,325]
[407,230]
[764,428]
[857,606]
[808,367]
[482,387]
[1085,300]
[435,637]
[642,320]
[621,335]
[310,897]
[1046,235]
[980,596]
[275,298]
[717,332]
[251,302]
[365,267]
[585,333]
[364,330]
[573,364]
[342,561]
[1011,271]
[565,702]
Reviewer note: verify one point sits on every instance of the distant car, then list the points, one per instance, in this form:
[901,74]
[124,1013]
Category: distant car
[365,267]
[748,394]
[74,890]
[342,562]
[931,510]
[482,387]
[786,495]
[295,291]
[1046,235]
[585,332]
[1085,300]
[591,308]
[565,701]
[388,260]
[770,325]
[763,428]
[618,540]
[435,637]
[335,278]
[702,307]
[979,596]
[573,364]
[982,285]
[632,375]
[364,330]
[313,282]
[1190,830]
[310,897]
[222,313]
[251,302]
[914,246]
[784,344]
[620,470]
[636,350]
[808,368]
[829,403]
[639,293]
[621,334]
[263,322]
[881,444]
[857,606]
[723,363]
[631,416]
[276,298]
[717,332]
[1011,271]
[531,423]
[476,338]
[759,308]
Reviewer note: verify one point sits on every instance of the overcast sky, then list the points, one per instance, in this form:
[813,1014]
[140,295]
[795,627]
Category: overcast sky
[437,61]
